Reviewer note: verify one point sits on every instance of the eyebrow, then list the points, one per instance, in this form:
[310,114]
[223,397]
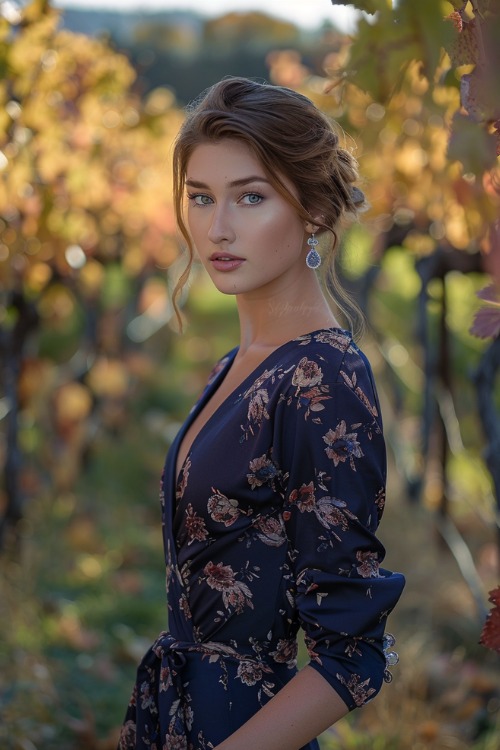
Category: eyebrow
[234,183]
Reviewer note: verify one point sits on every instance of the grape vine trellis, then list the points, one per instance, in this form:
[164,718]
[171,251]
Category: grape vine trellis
[83,197]
[81,124]
[449,44]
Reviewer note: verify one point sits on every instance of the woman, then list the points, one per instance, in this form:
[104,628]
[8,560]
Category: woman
[274,487]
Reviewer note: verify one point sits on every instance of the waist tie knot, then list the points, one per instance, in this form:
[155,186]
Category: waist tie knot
[160,715]
[171,654]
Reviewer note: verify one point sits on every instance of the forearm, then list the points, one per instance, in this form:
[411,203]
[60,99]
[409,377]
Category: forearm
[304,708]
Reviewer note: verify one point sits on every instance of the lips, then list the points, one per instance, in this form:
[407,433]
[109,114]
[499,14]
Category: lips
[225,261]
[224,256]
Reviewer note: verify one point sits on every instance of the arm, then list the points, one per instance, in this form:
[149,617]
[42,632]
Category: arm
[333,462]
[304,708]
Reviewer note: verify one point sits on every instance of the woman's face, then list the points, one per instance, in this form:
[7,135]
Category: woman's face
[248,237]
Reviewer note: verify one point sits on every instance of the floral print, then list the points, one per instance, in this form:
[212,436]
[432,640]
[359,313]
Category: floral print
[304,497]
[262,471]
[270,527]
[342,445]
[332,512]
[183,479]
[195,526]
[257,403]
[257,407]
[360,393]
[369,565]
[270,531]
[340,340]
[360,692]
[222,509]
[311,401]
[235,594]
[306,374]
[286,652]
[250,673]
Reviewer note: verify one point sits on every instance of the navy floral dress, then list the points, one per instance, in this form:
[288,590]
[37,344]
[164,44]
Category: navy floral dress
[270,527]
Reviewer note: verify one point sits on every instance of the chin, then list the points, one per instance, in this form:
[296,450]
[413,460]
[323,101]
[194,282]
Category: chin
[228,287]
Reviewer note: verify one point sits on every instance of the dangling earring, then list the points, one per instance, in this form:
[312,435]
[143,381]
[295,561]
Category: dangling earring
[313,258]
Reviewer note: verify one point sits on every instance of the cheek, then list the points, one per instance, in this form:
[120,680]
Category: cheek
[279,223]
[195,225]
[190,217]
[283,235]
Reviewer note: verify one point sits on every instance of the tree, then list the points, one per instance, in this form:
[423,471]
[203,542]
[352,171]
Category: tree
[418,86]
[85,214]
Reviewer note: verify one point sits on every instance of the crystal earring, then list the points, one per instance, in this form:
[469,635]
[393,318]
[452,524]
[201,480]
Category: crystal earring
[313,258]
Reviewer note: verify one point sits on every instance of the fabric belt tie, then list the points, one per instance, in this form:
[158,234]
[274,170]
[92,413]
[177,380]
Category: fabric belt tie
[160,710]
[158,675]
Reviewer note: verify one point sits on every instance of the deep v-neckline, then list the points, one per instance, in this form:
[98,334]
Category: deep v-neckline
[210,392]
[215,384]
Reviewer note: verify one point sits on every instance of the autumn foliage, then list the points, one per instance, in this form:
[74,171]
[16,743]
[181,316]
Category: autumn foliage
[418,88]
[85,217]
[94,381]
[490,636]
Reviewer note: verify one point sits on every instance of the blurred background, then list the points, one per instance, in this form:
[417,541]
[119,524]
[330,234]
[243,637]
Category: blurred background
[95,379]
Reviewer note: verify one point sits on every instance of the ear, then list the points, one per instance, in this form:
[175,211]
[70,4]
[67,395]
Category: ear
[313,228]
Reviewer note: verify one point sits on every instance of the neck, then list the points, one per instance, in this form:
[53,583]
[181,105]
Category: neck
[269,320]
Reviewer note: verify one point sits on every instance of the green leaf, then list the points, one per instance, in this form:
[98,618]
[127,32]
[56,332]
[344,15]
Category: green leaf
[379,54]
[384,47]
[431,32]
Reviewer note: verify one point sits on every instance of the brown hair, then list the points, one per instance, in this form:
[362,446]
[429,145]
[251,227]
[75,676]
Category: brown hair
[292,139]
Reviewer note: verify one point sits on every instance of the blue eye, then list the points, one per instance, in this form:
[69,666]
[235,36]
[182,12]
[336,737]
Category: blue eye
[200,199]
[253,198]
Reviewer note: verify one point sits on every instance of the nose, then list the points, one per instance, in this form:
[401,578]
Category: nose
[220,228]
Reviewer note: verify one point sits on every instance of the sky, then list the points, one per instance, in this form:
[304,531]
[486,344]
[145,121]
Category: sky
[304,13]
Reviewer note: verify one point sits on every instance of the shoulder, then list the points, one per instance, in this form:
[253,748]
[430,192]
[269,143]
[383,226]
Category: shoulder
[328,355]
[328,362]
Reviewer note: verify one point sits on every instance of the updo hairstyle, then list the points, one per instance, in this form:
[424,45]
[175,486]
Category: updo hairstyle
[292,139]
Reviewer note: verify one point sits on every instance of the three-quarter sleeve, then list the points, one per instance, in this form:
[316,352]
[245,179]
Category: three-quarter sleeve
[333,463]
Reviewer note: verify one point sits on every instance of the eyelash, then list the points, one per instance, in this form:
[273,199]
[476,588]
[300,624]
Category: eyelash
[194,196]
[258,195]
